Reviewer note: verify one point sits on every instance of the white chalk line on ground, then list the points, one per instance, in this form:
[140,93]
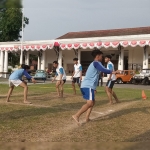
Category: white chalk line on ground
[71,126]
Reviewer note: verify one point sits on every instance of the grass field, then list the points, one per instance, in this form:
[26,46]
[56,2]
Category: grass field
[49,117]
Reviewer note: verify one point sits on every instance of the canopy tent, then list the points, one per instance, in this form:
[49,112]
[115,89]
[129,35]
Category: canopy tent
[69,46]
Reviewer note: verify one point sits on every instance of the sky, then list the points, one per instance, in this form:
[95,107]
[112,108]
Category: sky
[49,19]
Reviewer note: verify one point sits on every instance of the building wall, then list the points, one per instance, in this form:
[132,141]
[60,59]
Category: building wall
[50,57]
[68,56]
[136,55]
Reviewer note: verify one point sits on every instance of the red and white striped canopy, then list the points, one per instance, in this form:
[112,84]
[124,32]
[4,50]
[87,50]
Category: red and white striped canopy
[84,45]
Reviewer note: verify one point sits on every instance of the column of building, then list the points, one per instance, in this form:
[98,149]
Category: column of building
[1,61]
[145,57]
[121,59]
[27,58]
[79,56]
[60,57]
[43,60]
[6,62]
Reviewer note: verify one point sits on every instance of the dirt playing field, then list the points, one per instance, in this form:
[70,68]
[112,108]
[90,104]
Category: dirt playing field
[48,118]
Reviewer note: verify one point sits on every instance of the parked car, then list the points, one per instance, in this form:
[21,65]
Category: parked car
[40,75]
[125,76]
[143,77]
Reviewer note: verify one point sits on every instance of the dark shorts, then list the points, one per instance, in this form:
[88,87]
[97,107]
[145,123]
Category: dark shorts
[76,80]
[110,84]
[64,81]
[88,94]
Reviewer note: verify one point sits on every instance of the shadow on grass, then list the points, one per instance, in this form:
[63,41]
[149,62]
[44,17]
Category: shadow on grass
[140,138]
[120,113]
[17,114]
[138,146]
[2,97]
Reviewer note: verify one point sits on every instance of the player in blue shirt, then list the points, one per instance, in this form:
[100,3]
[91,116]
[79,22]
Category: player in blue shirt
[15,79]
[111,81]
[60,77]
[89,84]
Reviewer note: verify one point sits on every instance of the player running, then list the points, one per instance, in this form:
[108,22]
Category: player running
[15,79]
[61,78]
[77,74]
[111,81]
[89,84]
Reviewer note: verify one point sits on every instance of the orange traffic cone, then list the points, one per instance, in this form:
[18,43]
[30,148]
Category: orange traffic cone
[143,95]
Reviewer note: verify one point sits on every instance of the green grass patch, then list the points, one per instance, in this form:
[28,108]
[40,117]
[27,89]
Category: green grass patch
[49,118]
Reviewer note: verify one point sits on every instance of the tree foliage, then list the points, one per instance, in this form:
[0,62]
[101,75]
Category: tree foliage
[11,24]
[11,20]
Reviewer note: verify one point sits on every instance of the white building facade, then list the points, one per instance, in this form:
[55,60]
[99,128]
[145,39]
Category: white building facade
[128,52]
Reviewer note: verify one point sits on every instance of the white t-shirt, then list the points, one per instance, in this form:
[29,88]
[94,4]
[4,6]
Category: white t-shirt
[60,71]
[77,70]
[110,66]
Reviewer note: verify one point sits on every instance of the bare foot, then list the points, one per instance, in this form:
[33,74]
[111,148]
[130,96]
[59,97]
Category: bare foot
[117,101]
[88,120]
[76,119]
[110,103]
[27,102]
[8,101]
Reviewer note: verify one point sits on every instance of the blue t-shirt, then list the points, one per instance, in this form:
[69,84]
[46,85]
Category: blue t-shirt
[18,74]
[92,75]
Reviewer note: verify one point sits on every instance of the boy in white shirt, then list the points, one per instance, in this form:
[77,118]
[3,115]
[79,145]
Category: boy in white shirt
[111,80]
[61,78]
[77,74]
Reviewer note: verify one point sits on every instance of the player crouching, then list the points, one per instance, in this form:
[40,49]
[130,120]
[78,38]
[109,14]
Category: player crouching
[15,79]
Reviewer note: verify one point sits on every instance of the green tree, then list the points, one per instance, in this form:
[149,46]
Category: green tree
[11,24]
[11,20]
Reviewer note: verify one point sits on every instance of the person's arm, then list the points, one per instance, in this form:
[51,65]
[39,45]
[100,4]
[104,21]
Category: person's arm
[56,74]
[73,74]
[110,68]
[28,76]
[80,68]
[100,67]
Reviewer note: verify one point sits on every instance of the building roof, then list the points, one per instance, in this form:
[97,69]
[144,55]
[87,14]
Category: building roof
[105,33]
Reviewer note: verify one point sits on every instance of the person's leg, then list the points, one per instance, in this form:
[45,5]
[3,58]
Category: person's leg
[83,109]
[79,82]
[101,81]
[61,89]
[115,96]
[57,88]
[89,112]
[9,93]
[112,92]
[24,85]
[108,91]
[73,86]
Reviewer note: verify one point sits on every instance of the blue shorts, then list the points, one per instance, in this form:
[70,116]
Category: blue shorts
[88,93]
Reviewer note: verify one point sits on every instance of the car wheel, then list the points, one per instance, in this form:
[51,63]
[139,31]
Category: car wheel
[131,81]
[134,81]
[145,81]
[119,80]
